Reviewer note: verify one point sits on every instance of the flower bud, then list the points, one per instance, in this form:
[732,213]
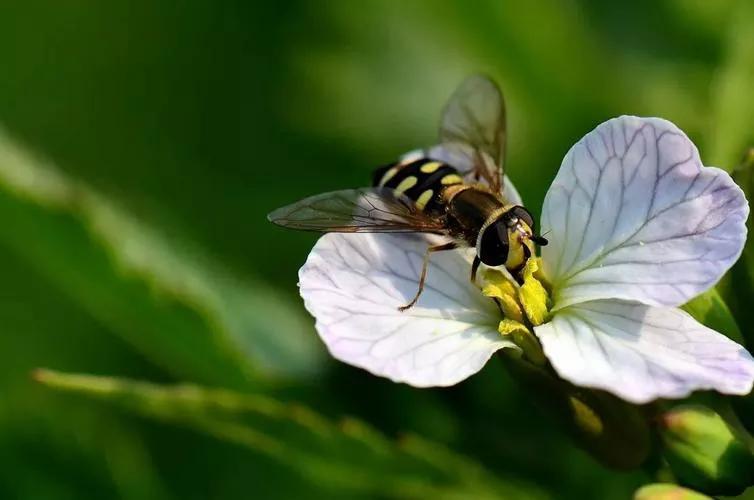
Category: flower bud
[703,451]
[664,491]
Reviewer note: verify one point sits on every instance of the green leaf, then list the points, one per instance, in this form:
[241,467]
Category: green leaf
[348,455]
[175,305]
[711,310]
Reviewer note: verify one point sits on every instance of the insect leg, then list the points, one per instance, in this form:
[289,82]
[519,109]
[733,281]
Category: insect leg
[474,268]
[437,248]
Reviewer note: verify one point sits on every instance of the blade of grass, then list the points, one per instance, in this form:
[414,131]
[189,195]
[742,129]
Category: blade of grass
[347,455]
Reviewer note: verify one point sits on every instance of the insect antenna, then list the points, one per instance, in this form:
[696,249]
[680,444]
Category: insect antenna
[540,239]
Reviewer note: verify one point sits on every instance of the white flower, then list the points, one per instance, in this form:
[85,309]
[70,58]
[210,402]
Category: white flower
[637,227]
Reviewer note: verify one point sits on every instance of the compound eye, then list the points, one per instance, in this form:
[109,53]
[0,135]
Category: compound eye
[524,215]
[493,245]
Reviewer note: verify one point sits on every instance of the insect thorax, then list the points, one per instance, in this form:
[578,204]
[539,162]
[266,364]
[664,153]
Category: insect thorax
[421,180]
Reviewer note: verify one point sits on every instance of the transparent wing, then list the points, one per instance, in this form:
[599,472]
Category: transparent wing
[473,128]
[462,158]
[366,210]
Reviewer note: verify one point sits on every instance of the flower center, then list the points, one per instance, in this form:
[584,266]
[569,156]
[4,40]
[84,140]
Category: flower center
[523,306]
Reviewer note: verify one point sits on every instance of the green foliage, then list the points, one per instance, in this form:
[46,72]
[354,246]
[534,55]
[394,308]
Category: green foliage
[146,253]
[731,129]
[616,433]
[350,455]
[171,303]
[744,288]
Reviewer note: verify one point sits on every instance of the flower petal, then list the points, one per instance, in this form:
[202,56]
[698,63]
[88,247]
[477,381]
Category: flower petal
[633,214]
[461,157]
[641,353]
[353,285]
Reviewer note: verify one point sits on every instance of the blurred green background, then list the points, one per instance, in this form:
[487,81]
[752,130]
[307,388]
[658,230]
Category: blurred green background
[144,252]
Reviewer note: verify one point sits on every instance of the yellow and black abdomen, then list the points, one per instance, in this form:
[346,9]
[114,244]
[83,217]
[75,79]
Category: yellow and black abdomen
[421,180]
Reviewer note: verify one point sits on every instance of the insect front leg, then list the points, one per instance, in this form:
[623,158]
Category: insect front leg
[423,276]
[474,269]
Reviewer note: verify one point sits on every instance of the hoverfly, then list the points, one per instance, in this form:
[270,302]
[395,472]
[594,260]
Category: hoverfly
[454,189]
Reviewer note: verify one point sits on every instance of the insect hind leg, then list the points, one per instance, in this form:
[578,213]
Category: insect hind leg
[425,264]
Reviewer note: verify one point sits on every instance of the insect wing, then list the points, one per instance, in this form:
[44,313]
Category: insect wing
[462,157]
[367,210]
[473,128]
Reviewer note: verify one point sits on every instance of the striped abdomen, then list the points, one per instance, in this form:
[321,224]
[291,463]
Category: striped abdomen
[421,180]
